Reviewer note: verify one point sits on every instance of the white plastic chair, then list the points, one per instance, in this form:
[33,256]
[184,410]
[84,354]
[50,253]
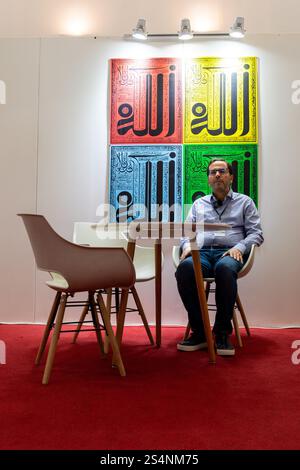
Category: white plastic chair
[75,269]
[93,234]
[238,304]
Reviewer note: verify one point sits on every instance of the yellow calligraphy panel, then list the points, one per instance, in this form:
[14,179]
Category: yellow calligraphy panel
[221,100]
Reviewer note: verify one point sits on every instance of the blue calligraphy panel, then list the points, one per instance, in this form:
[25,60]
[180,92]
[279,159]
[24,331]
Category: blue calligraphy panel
[146,183]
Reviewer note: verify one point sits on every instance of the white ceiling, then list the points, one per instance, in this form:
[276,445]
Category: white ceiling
[113,18]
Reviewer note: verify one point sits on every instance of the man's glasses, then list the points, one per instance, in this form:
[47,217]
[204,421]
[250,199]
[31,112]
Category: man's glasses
[222,171]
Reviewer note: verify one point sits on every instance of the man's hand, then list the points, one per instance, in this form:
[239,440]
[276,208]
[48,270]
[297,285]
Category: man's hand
[234,253]
[186,252]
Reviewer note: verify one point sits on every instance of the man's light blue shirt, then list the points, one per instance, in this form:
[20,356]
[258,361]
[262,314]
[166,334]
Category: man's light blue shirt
[238,211]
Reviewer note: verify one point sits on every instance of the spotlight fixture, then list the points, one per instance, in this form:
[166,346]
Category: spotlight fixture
[139,32]
[238,30]
[185,32]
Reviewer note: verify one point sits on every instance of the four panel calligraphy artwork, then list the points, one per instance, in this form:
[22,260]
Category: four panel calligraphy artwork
[149,138]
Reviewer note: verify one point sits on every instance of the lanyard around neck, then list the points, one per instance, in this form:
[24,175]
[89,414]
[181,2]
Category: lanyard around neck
[220,214]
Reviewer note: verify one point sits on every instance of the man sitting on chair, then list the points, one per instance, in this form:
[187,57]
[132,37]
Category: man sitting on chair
[222,256]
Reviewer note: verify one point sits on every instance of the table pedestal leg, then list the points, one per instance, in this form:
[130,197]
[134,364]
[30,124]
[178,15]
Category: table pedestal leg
[158,291]
[203,305]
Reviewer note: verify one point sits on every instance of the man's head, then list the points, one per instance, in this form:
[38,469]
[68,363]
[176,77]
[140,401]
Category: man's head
[220,177]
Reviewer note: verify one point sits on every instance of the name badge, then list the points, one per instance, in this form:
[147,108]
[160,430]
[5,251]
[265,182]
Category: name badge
[220,233]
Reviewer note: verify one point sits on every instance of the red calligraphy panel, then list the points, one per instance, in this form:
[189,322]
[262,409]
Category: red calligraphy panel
[146,101]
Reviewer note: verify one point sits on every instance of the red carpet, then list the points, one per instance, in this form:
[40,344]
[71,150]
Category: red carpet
[169,399]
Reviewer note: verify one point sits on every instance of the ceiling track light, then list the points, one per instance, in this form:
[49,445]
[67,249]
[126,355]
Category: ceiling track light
[237,30]
[139,32]
[185,32]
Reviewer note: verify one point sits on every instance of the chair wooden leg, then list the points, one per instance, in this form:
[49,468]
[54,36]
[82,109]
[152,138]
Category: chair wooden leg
[108,306]
[117,298]
[121,315]
[109,299]
[121,319]
[106,343]
[50,322]
[142,314]
[96,321]
[117,359]
[207,290]
[188,327]
[54,340]
[82,318]
[237,330]
[243,315]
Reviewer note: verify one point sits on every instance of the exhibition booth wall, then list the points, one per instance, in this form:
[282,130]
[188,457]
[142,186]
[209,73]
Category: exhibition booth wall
[54,134]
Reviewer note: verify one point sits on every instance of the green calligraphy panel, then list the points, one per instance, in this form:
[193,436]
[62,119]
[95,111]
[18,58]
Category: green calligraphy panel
[242,157]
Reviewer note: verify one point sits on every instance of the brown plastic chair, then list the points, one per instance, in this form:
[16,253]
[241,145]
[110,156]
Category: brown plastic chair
[76,268]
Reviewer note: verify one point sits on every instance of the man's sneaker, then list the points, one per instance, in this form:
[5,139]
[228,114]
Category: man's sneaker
[224,346]
[193,343]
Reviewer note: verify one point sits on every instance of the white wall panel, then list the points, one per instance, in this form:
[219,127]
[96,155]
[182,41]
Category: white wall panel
[18,161]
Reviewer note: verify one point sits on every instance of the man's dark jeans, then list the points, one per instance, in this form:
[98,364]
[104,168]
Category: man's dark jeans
[224,270]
